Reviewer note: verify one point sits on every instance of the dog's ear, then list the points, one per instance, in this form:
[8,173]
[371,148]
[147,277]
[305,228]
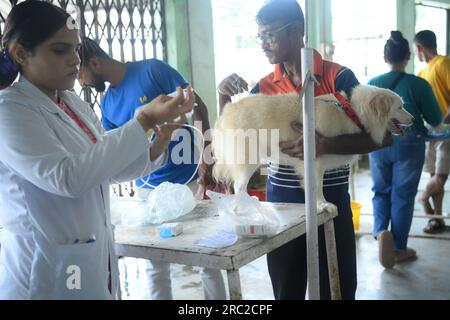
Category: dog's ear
[381,105]
[377,115]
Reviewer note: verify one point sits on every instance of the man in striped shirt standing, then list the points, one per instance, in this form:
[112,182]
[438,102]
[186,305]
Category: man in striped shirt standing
[281,32]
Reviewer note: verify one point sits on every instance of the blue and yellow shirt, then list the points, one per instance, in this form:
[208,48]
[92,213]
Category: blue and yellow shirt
[144,81]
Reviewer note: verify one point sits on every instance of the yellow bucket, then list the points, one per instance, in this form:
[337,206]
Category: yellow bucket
[356,212]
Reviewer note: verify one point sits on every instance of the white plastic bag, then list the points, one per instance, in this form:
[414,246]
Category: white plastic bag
[166,202]
[169,201]
[248,217]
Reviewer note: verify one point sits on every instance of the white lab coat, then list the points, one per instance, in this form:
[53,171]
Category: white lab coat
[54,184]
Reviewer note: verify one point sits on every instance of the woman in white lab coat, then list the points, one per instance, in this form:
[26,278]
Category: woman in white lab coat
[56,164]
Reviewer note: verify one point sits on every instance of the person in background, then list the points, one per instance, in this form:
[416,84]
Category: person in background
[132,84]
[281,28]
[396,170]
[437,161]
[55,163]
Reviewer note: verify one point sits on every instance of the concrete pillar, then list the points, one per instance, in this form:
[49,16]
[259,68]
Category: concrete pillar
[448,32]
[190,46]
[320,27]
[406,23]
[177,36]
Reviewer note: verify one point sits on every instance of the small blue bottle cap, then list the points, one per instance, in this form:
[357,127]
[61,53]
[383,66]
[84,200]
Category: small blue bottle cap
[165,233]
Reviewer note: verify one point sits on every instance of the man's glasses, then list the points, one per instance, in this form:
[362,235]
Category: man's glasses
[269,37]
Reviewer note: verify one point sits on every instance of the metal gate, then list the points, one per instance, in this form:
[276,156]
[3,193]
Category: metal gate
[128,30]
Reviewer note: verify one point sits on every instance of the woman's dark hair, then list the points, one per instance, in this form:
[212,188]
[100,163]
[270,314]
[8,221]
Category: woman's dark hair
[397,48]
[29,23]
[285,11]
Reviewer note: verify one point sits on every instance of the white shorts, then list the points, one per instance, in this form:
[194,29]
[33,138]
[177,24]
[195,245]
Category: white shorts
[437,157]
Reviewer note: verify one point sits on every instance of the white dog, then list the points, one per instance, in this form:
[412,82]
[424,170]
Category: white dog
[378,110]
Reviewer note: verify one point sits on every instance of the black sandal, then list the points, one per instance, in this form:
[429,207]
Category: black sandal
[435,226]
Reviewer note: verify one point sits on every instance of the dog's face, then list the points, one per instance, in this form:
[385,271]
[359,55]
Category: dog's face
[399,119]
[388,106]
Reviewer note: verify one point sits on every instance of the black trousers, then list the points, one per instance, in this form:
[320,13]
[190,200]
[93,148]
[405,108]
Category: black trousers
[288,264]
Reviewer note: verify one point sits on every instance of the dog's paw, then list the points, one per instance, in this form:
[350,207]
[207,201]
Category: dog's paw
[326,206]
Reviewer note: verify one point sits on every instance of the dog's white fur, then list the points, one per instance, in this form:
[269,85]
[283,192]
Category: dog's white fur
[379,110]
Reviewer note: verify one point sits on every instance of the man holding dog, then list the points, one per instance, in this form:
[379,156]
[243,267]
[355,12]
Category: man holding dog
[281,32]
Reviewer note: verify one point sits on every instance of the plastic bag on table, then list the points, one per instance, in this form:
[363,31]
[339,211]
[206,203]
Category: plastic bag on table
[202,190]
[166,202]
[248,217]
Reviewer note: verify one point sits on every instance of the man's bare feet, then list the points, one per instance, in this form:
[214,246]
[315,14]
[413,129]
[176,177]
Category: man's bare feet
[435,226]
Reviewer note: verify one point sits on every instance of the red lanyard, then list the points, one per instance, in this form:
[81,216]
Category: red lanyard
[78,121]
[345,105]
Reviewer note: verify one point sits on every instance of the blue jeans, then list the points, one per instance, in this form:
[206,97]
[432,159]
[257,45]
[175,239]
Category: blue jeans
[396,174]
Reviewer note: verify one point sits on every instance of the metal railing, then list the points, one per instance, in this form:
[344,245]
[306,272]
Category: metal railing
[129,30]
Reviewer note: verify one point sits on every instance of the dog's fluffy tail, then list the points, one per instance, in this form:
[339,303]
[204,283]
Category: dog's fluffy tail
[221,171]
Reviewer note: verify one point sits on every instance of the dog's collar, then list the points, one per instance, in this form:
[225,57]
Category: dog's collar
[344,104]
